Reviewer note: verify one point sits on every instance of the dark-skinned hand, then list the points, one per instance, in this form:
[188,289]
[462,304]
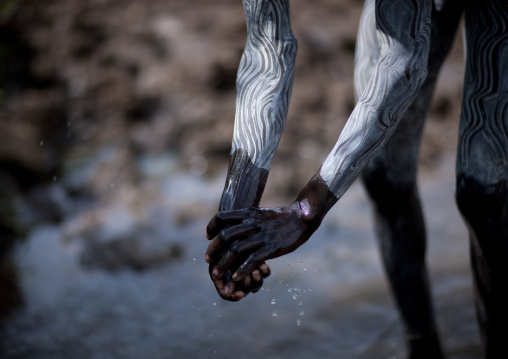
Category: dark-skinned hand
[227,288]
[244,239]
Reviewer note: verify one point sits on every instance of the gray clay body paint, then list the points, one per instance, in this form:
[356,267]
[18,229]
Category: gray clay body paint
[403,35]
[265,79]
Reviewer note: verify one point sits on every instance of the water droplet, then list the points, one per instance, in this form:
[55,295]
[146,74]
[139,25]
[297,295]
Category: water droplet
[273,301]
[295,296]
[274,314]
[300,303]
[290,290]
[302,312]
[298,322]
[214,303]
[315,270]
[194,259]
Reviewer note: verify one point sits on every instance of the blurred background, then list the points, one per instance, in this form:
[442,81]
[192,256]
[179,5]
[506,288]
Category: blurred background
[116,118]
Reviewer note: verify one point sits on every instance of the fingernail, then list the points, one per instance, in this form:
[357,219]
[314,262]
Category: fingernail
[215,273]
[208,259]
[207,236]
[235,277]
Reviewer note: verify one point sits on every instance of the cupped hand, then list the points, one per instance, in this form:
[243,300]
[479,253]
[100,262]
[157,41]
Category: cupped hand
[244,239]
[227,288]
[235,291]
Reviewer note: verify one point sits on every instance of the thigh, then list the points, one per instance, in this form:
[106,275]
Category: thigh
[483,134]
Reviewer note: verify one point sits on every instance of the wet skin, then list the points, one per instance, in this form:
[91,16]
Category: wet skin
[244,187]
[250,236]
[399,54]
[264,83]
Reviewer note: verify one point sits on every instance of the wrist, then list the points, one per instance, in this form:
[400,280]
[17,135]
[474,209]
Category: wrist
[314,201]
[245,183]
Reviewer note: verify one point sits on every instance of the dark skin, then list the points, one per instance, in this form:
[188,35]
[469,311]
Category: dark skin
[232,290]
[243,239]
[244,186]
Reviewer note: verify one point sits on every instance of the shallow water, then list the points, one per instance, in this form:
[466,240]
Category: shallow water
[328,299]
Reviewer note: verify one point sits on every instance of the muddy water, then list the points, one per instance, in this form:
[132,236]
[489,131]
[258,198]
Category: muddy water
[329,299]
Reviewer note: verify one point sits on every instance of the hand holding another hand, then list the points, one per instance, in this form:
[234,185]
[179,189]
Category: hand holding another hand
[242,240]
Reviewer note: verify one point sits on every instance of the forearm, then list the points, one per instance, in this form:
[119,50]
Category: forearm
[403,31]
[264,83]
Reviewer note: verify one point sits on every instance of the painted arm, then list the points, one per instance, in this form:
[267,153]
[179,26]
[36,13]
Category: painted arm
[264,83]
[403,31]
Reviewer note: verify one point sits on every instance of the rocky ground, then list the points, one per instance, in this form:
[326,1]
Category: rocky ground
[116,118]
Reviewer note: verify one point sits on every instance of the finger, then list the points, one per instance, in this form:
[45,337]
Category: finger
[265,270]
[229,287]
[248,285]
[247,228]
[229,234]
[222,219]
[232,254]
[214,227]
[238,295]
[224,286]
[256,286]
[213,250]
[219,286]
[255,282]
[254,261]
[256,275]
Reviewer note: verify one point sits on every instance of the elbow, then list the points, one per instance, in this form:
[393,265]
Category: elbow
[415,68]
[414,75]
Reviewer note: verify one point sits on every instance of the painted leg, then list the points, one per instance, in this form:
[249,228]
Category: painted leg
[390,181]
[482,167]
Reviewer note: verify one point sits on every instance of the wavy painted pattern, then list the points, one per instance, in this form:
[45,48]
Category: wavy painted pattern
[483,133]
[367,48]
[264,81]
[403,34]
